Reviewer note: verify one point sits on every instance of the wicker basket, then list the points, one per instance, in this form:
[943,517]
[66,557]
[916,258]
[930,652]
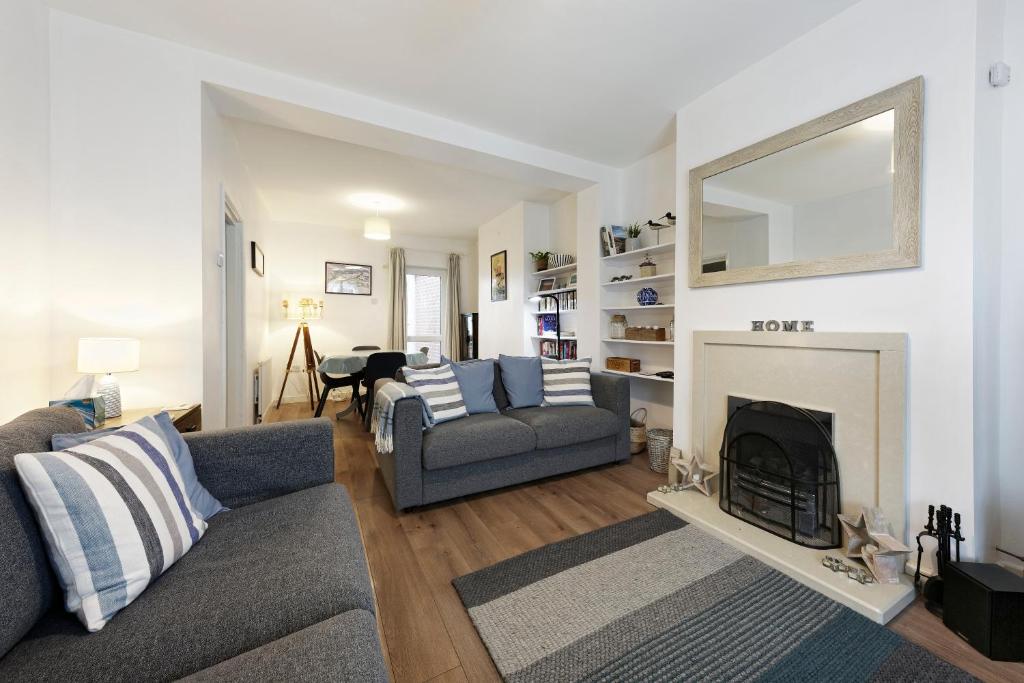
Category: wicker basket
[637,431]
[659,447]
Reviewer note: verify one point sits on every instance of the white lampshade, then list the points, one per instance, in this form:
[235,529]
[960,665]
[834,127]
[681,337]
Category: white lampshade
[377,228]
[302,308]
[102,355]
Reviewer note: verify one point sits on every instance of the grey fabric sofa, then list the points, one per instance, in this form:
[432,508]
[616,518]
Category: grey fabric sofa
[491,450]
[277,588]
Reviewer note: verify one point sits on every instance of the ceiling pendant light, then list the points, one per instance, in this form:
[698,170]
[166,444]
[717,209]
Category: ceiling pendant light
[377,228]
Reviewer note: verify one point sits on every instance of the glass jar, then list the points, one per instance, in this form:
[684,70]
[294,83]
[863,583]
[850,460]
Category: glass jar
[617,327]
[672,329]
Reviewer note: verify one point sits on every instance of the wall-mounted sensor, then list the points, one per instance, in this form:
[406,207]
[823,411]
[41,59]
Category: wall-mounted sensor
[999,74]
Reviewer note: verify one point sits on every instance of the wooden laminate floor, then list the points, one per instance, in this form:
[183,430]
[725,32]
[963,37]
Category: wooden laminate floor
[427,635]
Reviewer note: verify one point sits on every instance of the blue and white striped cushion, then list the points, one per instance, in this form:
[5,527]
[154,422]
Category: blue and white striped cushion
[115,515]
[566,382]
[440,391]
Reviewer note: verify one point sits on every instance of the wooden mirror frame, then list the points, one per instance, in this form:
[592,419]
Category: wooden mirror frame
[906,99]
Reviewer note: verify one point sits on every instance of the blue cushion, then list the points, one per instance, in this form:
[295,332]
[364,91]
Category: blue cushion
[202,500]
[523,380]
[476,380]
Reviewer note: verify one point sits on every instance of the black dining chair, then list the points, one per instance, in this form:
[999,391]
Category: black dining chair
[379,366]
[336,383]
[366,348]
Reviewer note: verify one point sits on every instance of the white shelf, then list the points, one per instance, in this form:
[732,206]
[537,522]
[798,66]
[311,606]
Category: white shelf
[608,340]
[654,249]
[552,337]
[637,375]
[564,311]
[639,308]
[555,271]
[641,280]
[552,291]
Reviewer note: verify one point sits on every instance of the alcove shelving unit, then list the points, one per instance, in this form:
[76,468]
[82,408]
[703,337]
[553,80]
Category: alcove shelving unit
[544,342]
[620,298]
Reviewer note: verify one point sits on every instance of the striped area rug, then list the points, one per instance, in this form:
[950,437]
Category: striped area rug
[655,599]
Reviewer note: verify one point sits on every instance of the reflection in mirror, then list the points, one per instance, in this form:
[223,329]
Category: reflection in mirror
[829,196]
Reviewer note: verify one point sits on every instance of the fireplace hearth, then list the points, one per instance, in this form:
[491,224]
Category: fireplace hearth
[779,471]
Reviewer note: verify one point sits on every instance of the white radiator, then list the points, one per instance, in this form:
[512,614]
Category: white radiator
[262,378]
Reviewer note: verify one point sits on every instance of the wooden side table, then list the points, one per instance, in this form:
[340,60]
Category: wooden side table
[187,419]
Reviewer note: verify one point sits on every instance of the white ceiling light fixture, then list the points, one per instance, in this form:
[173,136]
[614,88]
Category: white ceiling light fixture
[376,202]
[377,228]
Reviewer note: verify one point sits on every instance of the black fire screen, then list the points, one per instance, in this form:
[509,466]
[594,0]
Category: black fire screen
[779,471]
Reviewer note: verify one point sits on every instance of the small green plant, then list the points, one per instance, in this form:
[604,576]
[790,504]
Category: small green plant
[539,255]
[634,229]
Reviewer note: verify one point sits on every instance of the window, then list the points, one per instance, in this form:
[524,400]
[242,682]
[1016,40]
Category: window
[424,311]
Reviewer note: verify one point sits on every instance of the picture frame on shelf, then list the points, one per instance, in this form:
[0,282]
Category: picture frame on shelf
[547,284]
[499,273]
[572,280]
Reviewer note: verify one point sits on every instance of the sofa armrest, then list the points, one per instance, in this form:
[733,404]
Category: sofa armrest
[403,467]
[611,392]
[246,465]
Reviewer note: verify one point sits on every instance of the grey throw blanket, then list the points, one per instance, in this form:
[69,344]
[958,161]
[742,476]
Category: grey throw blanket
[382,421]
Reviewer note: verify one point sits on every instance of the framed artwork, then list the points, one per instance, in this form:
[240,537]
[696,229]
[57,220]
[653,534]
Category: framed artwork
[256,259]
[547,284]
[572,280]
[499,283]
[348,278]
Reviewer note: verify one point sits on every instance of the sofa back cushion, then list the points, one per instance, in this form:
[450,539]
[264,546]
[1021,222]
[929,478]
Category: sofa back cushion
[523,381]
[26,579]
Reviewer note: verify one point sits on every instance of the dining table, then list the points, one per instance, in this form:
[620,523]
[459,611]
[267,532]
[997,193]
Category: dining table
[353,363]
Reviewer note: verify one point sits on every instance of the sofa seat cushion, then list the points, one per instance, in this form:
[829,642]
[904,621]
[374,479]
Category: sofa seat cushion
[344,648]
[260,573]
[478,437]
[567,425]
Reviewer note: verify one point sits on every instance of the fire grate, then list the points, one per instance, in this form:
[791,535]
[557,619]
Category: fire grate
[779,471]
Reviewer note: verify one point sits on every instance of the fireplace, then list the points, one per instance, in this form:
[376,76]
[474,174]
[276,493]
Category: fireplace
[779,471]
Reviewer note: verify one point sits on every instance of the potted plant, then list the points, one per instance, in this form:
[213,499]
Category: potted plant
[540,259]
[633,236]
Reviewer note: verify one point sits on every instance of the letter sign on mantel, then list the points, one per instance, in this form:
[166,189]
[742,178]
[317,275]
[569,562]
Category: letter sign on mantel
[785,326]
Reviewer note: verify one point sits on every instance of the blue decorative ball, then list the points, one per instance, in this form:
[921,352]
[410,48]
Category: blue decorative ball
[647,297]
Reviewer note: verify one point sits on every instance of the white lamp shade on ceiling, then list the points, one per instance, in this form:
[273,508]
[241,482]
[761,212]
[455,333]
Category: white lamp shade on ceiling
[101,355]
[377,228]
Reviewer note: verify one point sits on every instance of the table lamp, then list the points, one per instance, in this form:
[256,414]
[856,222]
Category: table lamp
[105,356]
[302,309]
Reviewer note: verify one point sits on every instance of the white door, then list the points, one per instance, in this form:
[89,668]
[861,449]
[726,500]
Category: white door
[234,320]
[425,290]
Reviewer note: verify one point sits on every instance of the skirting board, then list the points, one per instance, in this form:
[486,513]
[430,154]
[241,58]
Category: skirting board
[878,602]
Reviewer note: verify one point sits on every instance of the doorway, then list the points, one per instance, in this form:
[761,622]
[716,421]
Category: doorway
[234,316]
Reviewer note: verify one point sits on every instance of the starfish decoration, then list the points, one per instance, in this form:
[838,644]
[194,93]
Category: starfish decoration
[855,533]
[694,474]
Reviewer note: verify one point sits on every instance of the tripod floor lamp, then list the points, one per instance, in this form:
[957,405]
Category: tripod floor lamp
[558,321]
[303,310]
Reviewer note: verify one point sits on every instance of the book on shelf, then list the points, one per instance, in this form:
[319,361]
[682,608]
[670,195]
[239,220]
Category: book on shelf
[549,348]
[566,302]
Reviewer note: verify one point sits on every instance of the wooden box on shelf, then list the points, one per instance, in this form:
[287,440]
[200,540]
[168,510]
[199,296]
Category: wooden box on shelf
[622,364]
[646,333]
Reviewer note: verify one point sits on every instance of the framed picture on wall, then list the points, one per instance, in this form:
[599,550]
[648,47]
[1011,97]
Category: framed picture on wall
[257,261]
[499,273]
[348,278]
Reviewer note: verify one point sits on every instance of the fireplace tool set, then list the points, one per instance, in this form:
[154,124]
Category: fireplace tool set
[944,527]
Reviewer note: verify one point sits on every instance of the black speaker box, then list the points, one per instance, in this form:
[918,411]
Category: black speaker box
[984,605]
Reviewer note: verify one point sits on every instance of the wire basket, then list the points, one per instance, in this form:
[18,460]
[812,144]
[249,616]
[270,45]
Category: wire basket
[637,431]
[659,448]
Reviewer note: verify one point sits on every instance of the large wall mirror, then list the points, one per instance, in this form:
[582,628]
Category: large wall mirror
[839,194]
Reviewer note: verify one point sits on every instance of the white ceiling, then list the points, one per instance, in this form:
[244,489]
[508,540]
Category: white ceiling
[599,79]
[308,179]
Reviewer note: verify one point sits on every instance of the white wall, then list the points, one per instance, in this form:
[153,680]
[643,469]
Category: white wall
[1011,316]
[502,326]
[224,174]
[27,270]
[296,253]
[870,47]
[562,237]
[127,201]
